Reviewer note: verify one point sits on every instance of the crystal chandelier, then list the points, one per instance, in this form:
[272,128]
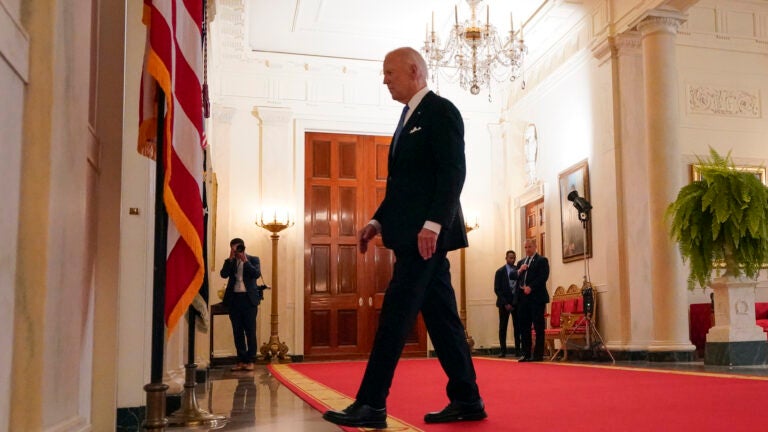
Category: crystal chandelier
[474,54]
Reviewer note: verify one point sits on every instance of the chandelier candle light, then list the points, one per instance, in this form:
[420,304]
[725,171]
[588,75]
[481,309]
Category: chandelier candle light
[474,53]
[275,349]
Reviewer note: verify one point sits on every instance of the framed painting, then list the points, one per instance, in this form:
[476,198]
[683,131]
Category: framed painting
[576,234]
[758,171]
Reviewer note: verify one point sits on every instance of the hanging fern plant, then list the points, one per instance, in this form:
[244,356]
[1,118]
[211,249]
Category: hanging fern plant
[721,219]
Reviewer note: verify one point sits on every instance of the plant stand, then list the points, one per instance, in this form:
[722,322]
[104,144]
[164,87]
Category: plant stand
[735,340]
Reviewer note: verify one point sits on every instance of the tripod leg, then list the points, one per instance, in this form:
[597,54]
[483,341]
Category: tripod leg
[601,343]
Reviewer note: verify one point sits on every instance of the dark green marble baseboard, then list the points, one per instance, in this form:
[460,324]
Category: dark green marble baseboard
[736,353]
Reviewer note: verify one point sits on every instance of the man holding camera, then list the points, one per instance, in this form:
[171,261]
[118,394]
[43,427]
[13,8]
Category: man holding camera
[242,300]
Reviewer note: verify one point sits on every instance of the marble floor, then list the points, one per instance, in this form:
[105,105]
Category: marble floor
[257,401]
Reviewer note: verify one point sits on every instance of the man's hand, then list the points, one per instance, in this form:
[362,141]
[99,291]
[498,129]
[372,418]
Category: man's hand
[366,234]
[427,240]
[527,289]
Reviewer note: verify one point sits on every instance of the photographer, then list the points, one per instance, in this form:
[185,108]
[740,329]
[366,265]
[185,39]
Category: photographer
[242,299]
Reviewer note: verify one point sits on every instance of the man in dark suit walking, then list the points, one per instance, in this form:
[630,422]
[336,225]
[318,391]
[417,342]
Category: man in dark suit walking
[532,274]
[505,288]
[242,299]
[420,219]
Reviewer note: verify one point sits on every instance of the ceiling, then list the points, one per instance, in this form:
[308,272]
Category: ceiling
[368,29]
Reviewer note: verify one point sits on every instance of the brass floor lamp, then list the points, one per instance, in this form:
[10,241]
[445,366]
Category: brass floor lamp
[274,348]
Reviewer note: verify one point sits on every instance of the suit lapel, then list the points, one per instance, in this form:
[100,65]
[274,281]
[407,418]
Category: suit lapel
[404,137]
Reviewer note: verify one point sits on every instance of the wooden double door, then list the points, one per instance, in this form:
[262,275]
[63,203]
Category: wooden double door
[345,180]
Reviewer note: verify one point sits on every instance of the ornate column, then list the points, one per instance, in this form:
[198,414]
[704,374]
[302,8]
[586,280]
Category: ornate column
[670,328]
[627,297]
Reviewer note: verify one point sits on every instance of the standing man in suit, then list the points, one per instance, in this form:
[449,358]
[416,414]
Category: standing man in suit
[532,274]
[420,219]
[505,288]
[242,300]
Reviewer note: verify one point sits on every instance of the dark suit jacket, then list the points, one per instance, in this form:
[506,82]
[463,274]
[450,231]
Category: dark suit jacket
[251,272]
[426,174]
[535,277]
[504,294]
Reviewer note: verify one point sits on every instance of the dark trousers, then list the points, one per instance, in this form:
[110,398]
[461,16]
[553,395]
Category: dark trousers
[419,285]
[532,313]
[242,314]
[504,315]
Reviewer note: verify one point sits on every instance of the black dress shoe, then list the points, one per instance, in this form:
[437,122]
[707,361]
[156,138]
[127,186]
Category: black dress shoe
[456,412]
[502,355]
[359,415]
[525,359]
[518,353]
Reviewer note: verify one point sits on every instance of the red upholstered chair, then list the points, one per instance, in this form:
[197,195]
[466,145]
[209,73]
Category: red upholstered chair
[555,322]
[699,322]
[761,316]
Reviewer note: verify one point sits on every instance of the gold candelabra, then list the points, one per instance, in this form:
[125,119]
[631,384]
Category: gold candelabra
[463,288]
[274,348]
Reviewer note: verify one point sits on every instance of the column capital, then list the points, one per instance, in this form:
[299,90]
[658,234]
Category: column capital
[625,44]
[269,115]
[660,21]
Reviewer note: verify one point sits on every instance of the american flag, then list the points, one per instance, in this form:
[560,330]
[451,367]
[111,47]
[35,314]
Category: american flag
[173,61]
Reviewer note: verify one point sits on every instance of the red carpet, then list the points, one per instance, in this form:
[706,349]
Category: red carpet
[549,396]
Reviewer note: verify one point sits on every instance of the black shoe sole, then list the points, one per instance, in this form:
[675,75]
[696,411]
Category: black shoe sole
[373,424]
[464,417]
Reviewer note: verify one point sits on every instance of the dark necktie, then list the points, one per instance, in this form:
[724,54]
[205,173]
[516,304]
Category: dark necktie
[399,128]
[528,261]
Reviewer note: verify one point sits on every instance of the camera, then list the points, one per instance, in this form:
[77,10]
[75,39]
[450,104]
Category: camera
[240,248]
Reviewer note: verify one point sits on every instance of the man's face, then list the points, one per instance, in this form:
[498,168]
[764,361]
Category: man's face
[398,77]
[511,258]
[530,248]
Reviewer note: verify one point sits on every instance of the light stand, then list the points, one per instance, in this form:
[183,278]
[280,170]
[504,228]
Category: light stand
[274,348]
[587,292]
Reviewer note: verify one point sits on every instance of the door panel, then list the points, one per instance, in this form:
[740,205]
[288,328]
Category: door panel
[534,224]
[345,180]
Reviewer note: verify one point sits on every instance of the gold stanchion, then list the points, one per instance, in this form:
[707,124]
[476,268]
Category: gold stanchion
[463,289]
[190,414]
[155,419]
[275,349]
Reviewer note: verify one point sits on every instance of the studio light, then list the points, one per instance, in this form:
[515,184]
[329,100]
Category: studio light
[582,205]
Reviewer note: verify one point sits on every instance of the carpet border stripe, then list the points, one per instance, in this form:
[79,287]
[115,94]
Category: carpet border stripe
[322,397]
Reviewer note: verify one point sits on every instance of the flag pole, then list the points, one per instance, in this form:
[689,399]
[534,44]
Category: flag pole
[190,414]
[155,419]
